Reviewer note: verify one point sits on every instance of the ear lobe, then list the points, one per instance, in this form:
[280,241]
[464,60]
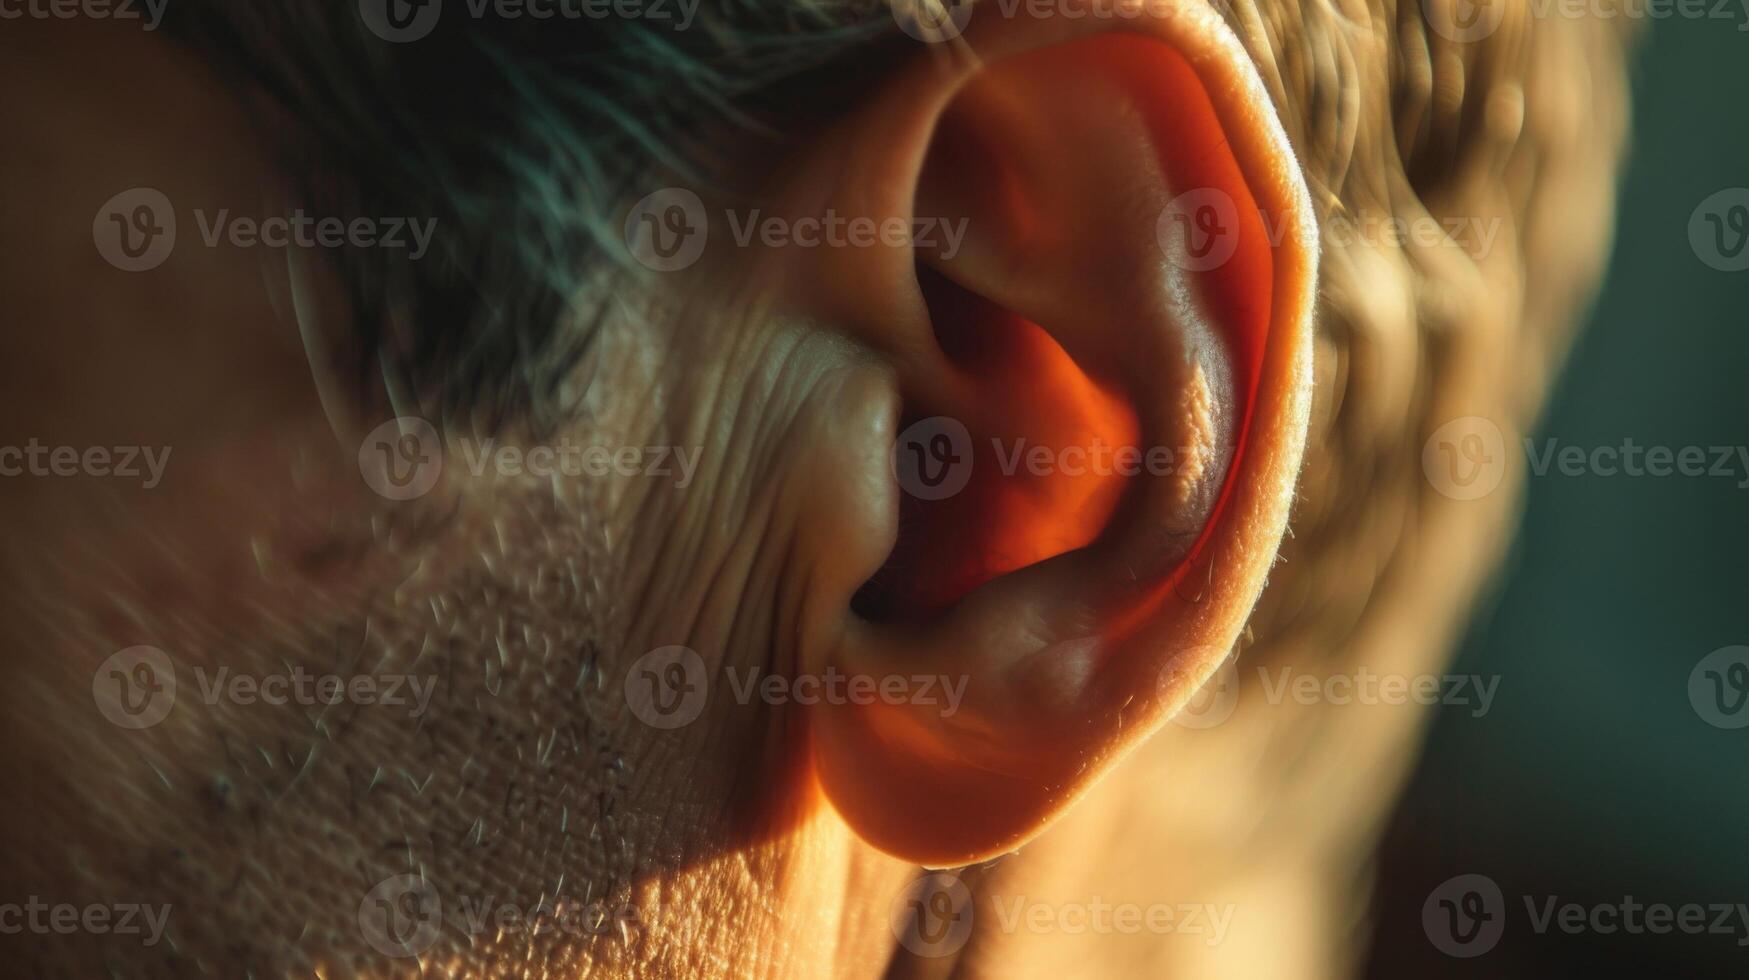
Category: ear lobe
[1115,358]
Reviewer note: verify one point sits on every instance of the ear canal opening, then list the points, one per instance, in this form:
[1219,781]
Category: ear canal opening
[1019,504]
[957,318]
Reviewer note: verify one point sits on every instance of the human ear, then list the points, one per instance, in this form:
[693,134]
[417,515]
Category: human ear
[1099,406]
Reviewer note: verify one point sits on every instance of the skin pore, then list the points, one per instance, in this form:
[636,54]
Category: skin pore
[563,834]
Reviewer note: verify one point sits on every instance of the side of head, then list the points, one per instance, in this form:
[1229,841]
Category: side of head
[807,446]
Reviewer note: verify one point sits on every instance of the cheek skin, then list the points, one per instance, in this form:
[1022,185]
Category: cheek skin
[525,777]
[500,769]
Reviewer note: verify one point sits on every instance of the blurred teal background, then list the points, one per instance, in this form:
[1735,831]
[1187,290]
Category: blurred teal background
[1593,778]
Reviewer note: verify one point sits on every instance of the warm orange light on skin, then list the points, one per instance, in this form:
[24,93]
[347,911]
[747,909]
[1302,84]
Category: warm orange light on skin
[1036,490]
[1014,513]
[1080,608]
[1239,291]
